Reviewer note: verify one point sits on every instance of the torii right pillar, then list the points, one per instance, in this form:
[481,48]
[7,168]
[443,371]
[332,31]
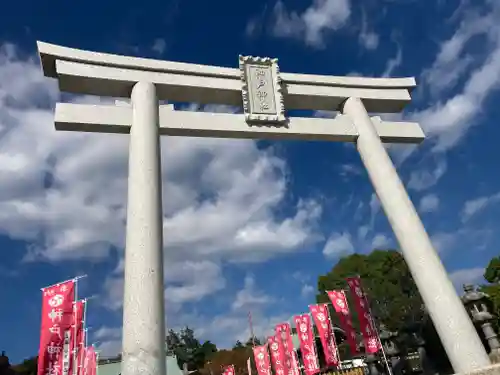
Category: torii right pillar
[456,331]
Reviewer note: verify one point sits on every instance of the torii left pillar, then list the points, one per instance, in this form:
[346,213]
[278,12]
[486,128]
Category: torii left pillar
[143,302]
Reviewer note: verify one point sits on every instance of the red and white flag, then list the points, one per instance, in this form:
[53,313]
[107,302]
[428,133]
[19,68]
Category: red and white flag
[228,370]
[262,362]
[90,361]
[339,302]
[278,357]
[78,332]
[284,332]
[54,354]
[307,346]
[82,352]
[323,323]
[370,339]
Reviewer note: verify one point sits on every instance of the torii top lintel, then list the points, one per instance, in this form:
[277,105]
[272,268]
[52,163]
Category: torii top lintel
[94,73]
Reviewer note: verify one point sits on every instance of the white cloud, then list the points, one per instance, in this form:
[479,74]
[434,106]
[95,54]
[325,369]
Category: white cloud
[306,290]
[474,206]
[424,178]
[368,39]
[374,206]
[428,203]
[250,297]
[452,62]
[467,276]
[443,241]
[449,120]
[461,239]
[393,63]
[108,341]
[310,26]
[195,280]
[380,241]
[159,46]
[338,245]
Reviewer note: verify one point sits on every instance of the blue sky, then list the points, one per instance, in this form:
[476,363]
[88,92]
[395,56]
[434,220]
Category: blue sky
[247,225]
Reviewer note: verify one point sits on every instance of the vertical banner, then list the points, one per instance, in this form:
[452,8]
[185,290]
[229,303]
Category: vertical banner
[283,331]
[228,370]
[90,362]
[262,362]
[365,320]
[339,302]
[278,358]
[307,346]
[82,351]
[85,362]
[323,323]
[79,308]
[54,354]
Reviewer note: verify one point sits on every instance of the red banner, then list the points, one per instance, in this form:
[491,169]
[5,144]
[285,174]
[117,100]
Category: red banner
[365,320]
[307,346]
[84,361]
[283,331]
[323,323]
[339,302]
[278,358]
[82,352]
[228,370]
[261,357]
[54,354]
[78,333]
[90,362]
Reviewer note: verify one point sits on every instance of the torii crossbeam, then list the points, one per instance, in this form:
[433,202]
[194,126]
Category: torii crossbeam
[263,92]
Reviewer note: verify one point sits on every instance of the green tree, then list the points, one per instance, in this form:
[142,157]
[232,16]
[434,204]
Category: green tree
[27,367]
[492,271]
[387,282]
[238,345]
[253,340]
[188,349]
[492,275]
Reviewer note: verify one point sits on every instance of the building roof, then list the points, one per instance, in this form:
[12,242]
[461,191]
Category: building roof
[115,367]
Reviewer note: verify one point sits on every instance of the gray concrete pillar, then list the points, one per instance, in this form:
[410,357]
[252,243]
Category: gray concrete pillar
[455,329]
[143,303]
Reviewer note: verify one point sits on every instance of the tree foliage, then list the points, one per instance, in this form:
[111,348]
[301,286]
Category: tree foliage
[238,356]
[188,349]
[492,275]
[27,367]
[492,271]
[391,291]
[253,341]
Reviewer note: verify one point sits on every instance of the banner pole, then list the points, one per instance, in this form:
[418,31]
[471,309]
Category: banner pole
[75,351]
[84,334]
[65,281]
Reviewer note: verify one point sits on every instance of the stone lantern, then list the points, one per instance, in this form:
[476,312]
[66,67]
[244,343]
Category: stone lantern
[391,348]
[477,305]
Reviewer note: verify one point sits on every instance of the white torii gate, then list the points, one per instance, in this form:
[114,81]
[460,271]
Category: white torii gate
[263,92]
